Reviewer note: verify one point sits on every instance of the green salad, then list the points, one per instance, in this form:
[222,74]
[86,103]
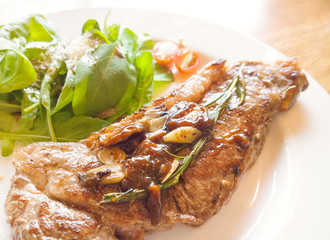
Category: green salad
[53,91]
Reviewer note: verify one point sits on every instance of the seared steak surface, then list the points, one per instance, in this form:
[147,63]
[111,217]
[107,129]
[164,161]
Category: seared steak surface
[54,194]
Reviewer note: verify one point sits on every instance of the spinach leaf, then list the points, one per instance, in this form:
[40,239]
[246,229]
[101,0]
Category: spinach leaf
[4,96]
[9,107]
[162,73]
[16,71]
[117,76]
[102,80]
[15,30]
[128,42]
[37,133]
[33,28]
[6,122]
[66,95]
[7,147]
[162,79]
[76,127]
[42,30]
[122,108]
[137,49]
[145,73]
[38,50]
[68,128]
[17,95]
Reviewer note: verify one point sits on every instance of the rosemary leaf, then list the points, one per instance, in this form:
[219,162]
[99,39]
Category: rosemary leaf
[171,154]
[185,163]
[241,88]
[121,197]
[238,82]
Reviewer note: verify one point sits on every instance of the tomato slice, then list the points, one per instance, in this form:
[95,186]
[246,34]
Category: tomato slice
[187,60]
[165,52]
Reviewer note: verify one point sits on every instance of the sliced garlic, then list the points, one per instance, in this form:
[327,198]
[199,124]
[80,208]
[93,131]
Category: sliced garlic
[182,135]
[106,174]
[114,177]
[97,172]
[145,122]
[110,155]
[227,184]
[157,124]
[175,165]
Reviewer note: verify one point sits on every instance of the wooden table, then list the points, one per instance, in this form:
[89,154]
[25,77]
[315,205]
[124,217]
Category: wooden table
[298,28]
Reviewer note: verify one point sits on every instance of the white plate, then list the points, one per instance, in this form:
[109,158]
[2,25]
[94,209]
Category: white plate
[285,195]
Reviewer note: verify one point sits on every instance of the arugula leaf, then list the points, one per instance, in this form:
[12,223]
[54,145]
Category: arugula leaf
[45,95]
[112,31]
[132,43]
[103,77]
[90,25]
[16,71]
[29,105]
[93,27]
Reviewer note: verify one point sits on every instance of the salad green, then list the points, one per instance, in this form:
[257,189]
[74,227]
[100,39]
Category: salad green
[57,95]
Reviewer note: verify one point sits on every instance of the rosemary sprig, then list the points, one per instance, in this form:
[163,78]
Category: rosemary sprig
[240,86]
[222,101]
[120,197]
[238,82]
[171,154]
[172,180]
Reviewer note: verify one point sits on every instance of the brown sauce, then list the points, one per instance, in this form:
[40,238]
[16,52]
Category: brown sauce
[188,114]
[154,204]
[147,164]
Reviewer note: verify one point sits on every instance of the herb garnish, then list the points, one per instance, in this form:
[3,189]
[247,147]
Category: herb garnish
[60,95]
[221,102]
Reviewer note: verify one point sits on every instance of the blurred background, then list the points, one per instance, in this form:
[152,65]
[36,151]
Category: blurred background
[297,28]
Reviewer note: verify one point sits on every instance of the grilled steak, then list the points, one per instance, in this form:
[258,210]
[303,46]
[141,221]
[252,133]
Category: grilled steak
[57,189]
